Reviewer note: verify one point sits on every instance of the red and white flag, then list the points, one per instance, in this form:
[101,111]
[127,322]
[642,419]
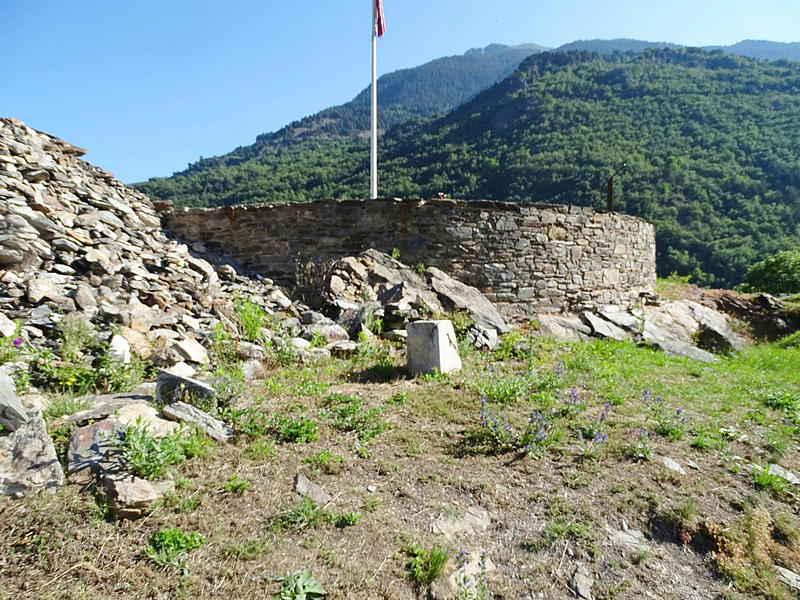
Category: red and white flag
[381,21]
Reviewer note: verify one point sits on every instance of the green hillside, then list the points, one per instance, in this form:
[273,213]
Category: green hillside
[710,141]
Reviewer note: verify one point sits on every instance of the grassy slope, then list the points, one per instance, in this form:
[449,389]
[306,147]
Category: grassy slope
[548,511]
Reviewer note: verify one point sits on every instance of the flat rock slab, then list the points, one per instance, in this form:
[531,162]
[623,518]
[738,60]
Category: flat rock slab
[305,487]
[684,350]
[456,295]
[673,465]
[186,413]
[604,329]
[28,461]
[173,388]
[145,416]
[102,406]
[432,346]
[475,520]
[631,540]
[788,577]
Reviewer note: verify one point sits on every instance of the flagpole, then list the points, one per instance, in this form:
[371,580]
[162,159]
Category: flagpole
[373,179]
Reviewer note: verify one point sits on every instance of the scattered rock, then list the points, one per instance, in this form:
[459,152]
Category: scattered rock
[130,497]
[119,350]
[192,351]
[305,487]
[432,346]
[186,413]
[582,582]
[342,349]
[482,338]
[673,465]
[475,520]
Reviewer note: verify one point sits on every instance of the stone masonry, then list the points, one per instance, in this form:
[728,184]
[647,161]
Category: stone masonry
[527,258]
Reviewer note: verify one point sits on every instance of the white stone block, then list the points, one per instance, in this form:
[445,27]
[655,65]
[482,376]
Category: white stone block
[432,345]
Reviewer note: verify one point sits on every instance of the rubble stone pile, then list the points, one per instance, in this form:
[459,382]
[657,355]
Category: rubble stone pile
[74,239]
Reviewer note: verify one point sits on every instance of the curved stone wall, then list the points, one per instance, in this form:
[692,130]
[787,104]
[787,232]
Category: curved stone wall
[526,258]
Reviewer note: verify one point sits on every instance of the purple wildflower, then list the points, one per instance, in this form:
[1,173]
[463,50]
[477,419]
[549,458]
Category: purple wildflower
[17,342]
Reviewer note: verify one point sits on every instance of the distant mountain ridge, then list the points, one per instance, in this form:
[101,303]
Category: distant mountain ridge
[761,49]
[418,92]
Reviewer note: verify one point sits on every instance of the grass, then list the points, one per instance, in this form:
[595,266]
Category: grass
[61,405]
[149,457]
[555,500]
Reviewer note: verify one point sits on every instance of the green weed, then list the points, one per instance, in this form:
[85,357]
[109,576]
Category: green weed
[349,414]
[260,449]
[148,457]
[298,430]
[426,564]
[249,549]
[305,515]
[170,547]
[251,317]
[325,461]
[766,480]
[236,485]
[300,585]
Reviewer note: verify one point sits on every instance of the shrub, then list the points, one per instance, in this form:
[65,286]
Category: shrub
[778,274]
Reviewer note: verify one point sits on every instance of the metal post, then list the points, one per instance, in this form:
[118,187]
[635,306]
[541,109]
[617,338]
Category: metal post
[610,189]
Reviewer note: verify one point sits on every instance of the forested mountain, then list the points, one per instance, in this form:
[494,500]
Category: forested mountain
[752,48]
[710,141]
[424,91]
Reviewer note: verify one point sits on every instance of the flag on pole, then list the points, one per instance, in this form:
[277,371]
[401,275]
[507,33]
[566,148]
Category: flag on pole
[381,21]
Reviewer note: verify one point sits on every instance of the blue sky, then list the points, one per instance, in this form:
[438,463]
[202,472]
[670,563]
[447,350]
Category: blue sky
[148,86]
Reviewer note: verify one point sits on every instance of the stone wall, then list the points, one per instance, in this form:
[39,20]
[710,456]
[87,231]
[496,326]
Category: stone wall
[527,258]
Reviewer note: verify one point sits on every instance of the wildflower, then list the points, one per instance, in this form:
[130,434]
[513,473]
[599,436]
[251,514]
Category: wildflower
[17,342]
[559,369]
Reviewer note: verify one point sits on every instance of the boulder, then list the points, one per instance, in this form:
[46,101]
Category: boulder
[455,295]
[721,341]
[7,326]
[186,413]
[28,461]
[684,350]
[432,346]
